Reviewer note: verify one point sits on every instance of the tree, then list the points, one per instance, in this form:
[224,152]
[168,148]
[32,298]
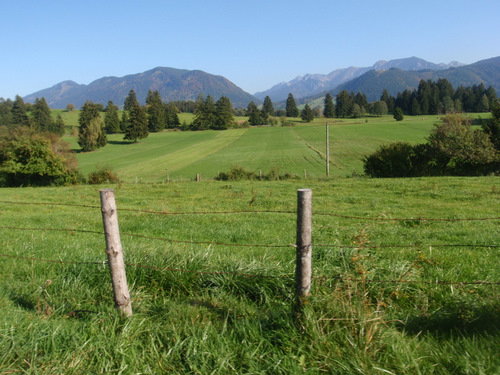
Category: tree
[254,114]
[91,135]
[5,111]
[130,100]
[157,117]
[267,107]
[291,106]
[171,112]
[398,114]
[31,159]
[204,113]
[137,123]
[18,113]
[344,104]
[307,114]
[379,108]
[70,107]
[111,119]
[492,126]
[223,113]
[57,126]
[42,119]
[124,122]
[463,150]
[356,110]
[329,109]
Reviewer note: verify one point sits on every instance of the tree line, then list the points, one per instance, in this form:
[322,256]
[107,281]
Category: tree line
[36,116]
[430,98]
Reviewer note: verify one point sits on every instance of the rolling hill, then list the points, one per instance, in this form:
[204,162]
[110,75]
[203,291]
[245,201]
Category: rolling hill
[396,80]
[173,84]
[312,84]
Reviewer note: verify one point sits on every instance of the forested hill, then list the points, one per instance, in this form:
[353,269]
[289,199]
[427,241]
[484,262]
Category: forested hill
[172,84]
[395,80]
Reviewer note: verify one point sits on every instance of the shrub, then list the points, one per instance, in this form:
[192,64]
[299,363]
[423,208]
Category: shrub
[103,175]
[239,173]
[236,173]
[453,148]
[31,159]
[393,160]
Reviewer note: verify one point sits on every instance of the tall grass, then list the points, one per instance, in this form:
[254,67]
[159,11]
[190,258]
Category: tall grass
[201,307]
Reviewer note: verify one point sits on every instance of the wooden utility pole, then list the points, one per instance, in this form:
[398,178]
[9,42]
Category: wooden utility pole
[115,252]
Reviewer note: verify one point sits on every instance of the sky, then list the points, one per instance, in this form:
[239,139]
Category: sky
[255,44]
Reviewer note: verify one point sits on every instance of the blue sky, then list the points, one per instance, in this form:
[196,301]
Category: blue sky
[255,44]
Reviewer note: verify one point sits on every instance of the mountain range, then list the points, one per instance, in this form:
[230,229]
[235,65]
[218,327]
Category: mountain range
[180,84]
[172,84]
[311,84]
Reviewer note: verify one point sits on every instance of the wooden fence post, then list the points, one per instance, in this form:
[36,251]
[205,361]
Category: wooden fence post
[115,252]
[198,177]
[327,151]
[303,269]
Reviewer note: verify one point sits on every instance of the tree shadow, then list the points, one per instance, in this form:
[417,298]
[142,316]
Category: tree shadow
[462,318]
[120,142]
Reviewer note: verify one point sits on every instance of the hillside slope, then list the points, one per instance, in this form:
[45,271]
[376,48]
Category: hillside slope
[173,84]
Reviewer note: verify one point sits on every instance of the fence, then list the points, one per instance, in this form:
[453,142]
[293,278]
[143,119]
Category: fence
[303,245]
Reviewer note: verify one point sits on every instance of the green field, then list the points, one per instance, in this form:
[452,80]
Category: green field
[213,293]
[405,271]
[298,150]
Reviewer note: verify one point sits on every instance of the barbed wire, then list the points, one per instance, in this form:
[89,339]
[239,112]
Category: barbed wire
[70,230]
[255,211]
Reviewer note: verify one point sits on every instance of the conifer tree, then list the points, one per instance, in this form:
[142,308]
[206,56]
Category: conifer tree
[129,100]
[267,107]
[223,113]
[171,112]
[307,114]
[18,112]
[329,109]
[157,117]
[344,104]
[204,113]
[42,119]
[124,122]
[138,123]
[291,106]
[111,119]
[254,114]
[398,114]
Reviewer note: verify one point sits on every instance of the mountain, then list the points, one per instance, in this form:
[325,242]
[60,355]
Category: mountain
[396,80]
[312,84]
[172,84]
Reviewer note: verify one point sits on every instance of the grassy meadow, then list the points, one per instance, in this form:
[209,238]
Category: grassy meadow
[405,271]
[411,296]
[299,150]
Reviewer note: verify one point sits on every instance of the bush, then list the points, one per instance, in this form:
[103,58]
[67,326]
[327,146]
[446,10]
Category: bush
[237,173]
[103,175]
[31,159]
[453,148]
[393,160]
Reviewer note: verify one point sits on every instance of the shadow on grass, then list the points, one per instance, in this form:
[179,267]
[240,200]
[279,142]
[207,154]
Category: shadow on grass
[463,318]
[120,142]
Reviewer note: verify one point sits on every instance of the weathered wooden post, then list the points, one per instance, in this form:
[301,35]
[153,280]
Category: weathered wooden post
[198,177]
[303,269]
[115,252]
[327,151]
